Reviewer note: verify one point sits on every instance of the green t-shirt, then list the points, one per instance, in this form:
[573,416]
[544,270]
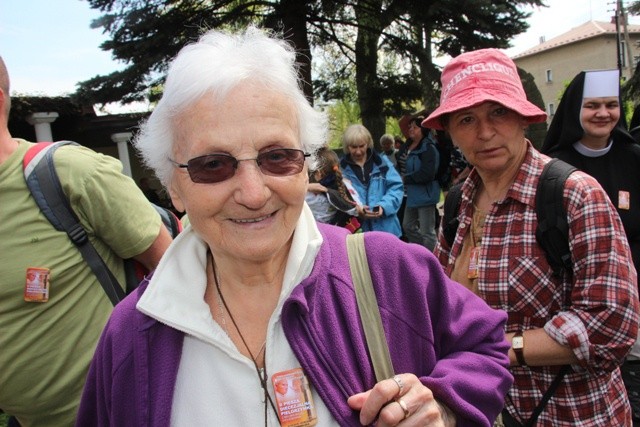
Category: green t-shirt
[46,347]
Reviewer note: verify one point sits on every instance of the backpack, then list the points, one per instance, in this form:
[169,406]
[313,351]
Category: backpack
[552,232]
[443,174]
[44,185]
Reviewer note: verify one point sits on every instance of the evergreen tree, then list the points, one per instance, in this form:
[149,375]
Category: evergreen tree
[368,34]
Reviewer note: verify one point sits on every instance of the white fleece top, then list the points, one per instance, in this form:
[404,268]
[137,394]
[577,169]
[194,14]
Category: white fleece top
[216,385]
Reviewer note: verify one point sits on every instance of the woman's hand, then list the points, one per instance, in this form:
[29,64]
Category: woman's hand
[367,212]
[401,400]
[314,187]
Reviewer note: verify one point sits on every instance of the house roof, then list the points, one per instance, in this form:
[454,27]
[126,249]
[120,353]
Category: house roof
[75,121]
[585,31]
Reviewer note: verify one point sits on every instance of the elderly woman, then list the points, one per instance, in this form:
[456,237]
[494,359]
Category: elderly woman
[589,132]
[254,291]
[374,178]
[587,317]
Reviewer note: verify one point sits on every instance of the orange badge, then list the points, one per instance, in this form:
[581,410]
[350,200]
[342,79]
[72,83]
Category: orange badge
[624,200]
[294,400]
[36,286]
[472,273]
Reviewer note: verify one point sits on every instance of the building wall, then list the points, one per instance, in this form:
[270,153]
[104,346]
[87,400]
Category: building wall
[566,61]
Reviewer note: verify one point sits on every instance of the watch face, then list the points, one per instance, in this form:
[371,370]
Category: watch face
[517,342]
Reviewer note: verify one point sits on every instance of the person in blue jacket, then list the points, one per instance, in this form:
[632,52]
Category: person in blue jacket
[421,185]
[374,178]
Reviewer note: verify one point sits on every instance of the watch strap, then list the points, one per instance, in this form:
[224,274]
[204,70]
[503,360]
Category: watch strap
[519,352]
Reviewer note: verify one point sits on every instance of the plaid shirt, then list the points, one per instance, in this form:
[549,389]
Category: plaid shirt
[594,311]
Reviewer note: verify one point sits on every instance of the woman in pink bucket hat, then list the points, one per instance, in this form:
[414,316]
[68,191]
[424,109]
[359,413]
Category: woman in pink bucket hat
[584,319]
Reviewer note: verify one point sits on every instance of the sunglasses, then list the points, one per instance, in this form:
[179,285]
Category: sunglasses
[213,168]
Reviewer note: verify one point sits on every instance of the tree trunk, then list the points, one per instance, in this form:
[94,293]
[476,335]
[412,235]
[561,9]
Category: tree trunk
[370,97]
[292,14]
[429,75]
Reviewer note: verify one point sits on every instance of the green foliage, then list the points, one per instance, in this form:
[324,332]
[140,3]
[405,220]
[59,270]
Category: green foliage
[377,53]
[341,115]
[631,88]
[536,132]
[627,110]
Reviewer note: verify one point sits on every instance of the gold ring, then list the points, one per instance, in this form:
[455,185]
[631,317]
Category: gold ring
[404,407]
[399,382]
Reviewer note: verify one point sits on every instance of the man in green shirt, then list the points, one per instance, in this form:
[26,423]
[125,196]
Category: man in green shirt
[47,341]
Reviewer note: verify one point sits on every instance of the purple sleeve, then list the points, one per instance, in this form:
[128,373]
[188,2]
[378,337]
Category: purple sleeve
[464,346]
[471,375]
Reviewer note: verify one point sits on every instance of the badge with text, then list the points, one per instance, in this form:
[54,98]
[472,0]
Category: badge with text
[624,200]
[293,398]
[36,285]
[472,272]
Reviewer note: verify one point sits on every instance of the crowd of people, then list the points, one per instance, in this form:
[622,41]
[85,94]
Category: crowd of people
[253,305]
[394,189]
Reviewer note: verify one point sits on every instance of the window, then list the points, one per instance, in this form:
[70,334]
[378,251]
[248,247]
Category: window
[549,76]
[623,53]
[551,110]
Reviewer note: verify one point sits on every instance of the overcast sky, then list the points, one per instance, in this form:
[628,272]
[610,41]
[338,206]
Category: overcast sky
[48,45]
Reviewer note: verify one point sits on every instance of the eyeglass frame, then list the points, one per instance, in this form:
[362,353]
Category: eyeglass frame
[237,161]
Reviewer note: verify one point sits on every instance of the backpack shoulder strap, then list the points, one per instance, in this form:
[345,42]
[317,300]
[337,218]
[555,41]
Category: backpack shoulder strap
[368,307]
[35,168]
[134,271]
[44,185]
[169,219]
[552,232]
[450,217]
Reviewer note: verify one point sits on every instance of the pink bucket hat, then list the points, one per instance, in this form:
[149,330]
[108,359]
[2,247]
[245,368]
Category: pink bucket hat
[479,76]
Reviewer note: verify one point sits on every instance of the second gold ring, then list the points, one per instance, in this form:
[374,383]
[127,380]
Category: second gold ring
[404,407]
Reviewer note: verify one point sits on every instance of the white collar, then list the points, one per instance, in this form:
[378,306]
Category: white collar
[175,294]
[590,152]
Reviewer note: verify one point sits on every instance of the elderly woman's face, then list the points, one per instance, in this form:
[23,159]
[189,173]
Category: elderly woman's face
[358,151]
[599,116]
[490,136]
[250,216]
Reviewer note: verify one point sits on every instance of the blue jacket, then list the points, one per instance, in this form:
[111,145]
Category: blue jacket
[382,187]
[420,180]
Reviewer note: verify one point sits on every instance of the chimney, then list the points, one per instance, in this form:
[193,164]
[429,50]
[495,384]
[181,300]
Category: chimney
[542,39]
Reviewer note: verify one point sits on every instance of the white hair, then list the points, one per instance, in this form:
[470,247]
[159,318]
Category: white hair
[217,63]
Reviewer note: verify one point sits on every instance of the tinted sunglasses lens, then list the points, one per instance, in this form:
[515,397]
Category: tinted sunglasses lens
[211,168]
[281,162]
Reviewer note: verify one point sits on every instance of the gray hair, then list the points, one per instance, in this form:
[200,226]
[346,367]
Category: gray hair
[387,137]
[356,134]
[217,63]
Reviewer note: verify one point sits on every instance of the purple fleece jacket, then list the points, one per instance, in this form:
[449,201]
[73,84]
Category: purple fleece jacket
[436,329]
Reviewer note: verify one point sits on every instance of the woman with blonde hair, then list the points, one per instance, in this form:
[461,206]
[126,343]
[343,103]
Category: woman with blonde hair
[375,179]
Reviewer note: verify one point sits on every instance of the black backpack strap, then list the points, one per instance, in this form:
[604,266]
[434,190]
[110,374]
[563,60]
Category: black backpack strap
[547,396]
[552,232]
[44,185]
[169,219]
[134,271]
[450,217]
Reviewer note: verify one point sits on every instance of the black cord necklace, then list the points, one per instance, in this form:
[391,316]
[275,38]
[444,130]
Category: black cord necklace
[262,373]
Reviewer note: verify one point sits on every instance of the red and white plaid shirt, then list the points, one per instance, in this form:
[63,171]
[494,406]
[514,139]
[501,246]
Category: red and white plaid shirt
[595,312]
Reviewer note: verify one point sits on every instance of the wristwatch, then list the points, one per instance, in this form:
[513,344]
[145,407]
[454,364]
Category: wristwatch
[517,344]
